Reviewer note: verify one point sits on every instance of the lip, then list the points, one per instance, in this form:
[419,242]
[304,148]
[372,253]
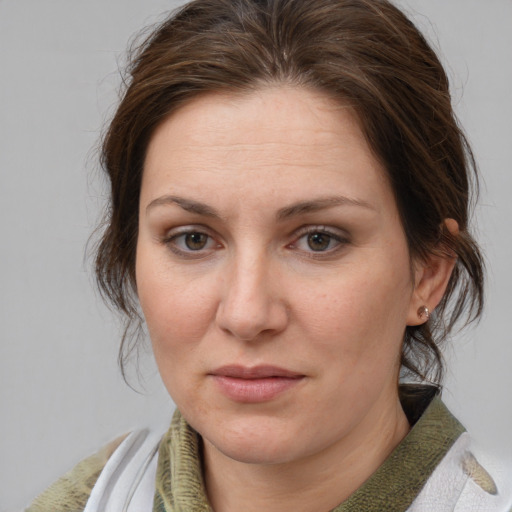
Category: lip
[254,384]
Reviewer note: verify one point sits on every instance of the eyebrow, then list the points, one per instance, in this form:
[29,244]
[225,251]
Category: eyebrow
[322,203]
[186,204]
[293,210]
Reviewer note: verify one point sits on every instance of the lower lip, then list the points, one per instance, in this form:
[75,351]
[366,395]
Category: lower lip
[255,390]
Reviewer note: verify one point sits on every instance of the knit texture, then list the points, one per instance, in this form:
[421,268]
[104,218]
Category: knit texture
[71,492]
[392,487]
[179,480]
[397,482]
[180,486]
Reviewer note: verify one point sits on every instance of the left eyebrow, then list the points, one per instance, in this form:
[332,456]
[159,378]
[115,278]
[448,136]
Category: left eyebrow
[320,204]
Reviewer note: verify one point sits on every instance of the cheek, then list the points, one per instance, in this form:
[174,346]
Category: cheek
[360,315]
[173,317]
[177,309]
[176,320]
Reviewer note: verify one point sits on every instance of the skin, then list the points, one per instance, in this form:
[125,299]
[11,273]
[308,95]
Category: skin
[324,290]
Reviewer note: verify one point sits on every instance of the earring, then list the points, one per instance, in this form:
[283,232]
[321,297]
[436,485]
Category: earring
[423,313]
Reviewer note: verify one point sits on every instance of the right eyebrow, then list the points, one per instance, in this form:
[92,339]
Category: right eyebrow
[186,204]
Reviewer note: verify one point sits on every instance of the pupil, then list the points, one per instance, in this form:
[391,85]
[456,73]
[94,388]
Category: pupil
[195,241]
[319,241]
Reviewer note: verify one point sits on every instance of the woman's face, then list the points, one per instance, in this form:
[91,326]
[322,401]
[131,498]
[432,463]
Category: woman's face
[273,272]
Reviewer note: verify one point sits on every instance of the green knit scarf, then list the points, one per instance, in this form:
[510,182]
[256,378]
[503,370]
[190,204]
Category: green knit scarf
[393,487]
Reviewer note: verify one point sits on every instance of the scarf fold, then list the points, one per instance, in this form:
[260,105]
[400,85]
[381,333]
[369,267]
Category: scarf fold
[179,479]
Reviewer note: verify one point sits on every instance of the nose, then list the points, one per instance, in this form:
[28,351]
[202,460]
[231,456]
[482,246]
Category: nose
[252,305]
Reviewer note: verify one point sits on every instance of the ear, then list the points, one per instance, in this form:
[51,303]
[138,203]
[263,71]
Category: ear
[431,277]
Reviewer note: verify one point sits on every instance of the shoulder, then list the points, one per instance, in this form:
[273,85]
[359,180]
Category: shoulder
[72,490]
[467,480]
[122,472]
[453,472]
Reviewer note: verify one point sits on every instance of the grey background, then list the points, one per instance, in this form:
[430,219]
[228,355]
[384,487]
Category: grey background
[61,395]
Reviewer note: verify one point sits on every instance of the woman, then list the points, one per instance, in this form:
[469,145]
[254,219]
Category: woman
[290,202]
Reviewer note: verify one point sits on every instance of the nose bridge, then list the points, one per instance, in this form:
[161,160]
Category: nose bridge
[249,304]
[248,272]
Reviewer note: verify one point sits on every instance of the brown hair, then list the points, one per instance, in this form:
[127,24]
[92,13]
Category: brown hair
[365,52]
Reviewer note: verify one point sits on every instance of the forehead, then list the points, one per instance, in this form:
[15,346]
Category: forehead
[274,114]
[277,138]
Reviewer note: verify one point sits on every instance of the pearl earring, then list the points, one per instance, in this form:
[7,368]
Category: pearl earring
[424,313]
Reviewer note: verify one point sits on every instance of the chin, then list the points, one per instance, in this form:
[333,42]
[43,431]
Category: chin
[258,442]
[263,452]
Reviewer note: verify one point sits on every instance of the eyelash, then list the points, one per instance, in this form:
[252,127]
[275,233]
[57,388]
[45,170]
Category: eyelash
[171,241]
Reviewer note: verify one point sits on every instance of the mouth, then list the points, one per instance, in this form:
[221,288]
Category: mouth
[256,384]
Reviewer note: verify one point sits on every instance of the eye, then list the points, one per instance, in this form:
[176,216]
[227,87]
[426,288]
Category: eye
[190,243]
[195,241]
[319,240]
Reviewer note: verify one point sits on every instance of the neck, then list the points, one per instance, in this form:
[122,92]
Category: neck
[315,483]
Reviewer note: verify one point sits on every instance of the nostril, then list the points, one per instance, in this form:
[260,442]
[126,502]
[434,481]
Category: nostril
[248,322]
[250,305]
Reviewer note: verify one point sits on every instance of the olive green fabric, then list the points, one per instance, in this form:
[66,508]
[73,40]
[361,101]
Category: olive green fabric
[179,481]
[392,487]
[398,481]
[71,492]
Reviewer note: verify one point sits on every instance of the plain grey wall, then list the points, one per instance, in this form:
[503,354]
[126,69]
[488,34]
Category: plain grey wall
[61,395]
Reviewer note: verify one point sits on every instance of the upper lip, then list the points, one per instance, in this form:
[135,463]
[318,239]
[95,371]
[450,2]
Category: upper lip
[255,372]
